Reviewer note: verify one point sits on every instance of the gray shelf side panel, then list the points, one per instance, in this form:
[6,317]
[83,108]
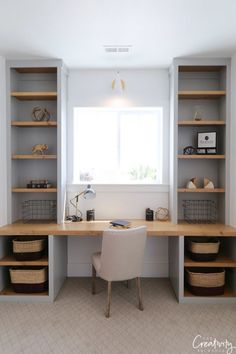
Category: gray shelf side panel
[173,168]
[176,264]
[57,255]
[62,143]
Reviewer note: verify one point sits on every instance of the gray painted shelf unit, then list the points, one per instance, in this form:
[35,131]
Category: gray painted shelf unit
[203,85]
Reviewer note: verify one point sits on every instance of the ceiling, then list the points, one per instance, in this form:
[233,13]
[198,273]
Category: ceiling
[77,30]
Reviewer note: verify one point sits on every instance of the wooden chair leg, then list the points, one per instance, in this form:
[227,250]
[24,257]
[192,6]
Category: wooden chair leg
[127,284]
[93,280]
[140,303]
[108,299]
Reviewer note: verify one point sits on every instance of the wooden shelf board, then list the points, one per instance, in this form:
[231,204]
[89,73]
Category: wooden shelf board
[200,68]
[34,157]
[11,261]
[201,94]
[34,95]
[221,261]
[33,124]
[34,190]
[201,122]
[9,291]
[201,156]
[227,293]
[201,190]
[41,70]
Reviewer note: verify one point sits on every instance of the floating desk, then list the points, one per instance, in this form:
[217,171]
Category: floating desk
[57,254]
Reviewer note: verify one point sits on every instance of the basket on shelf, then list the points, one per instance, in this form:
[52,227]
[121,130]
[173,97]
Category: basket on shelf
[200,211]
[28,250]
[203,249]
[206,281]
[39,210]
[29,280]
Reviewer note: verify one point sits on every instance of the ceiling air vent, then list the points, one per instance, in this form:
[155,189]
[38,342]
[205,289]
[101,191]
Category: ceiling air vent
[117,49]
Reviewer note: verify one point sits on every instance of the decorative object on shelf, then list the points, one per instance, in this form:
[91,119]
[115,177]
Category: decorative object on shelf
[192,184]
[39,149]
[198,113]
[38,210]
[87,193]
[200,211]
[207,142]
[39,183]
[205,281]
[28,250]
[189,150]
[162,214]
[208,184]
[203,249]
[39,114]
[29,280]
[149,214]
[118,84]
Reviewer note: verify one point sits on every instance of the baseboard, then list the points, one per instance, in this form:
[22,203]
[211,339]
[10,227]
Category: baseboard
[150,270]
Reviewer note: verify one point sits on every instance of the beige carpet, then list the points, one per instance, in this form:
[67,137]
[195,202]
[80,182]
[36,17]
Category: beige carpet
[75,322]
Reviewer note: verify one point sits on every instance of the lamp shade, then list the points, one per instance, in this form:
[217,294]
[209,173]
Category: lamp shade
[89,192]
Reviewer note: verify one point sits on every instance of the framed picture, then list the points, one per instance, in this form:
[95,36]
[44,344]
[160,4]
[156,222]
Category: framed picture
[206,140]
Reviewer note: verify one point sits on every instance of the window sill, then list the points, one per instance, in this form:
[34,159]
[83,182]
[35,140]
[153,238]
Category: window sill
[119,188]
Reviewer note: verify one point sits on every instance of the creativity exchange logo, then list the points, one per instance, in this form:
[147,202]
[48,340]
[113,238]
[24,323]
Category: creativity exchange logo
[212,345]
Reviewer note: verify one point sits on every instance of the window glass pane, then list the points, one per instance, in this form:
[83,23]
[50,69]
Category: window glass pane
[118,146]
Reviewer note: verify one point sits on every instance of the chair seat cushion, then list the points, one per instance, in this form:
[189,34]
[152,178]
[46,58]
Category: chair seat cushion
[96,261]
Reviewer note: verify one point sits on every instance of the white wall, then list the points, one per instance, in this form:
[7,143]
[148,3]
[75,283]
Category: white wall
[233,143]
[92,88]
[3,181]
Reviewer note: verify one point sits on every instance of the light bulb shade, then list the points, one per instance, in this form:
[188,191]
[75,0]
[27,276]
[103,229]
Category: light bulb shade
[118,85]
[89,192]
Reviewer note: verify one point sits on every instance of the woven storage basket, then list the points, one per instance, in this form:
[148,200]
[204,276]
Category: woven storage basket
[206,281]
[25,250]
[203,249]
[25,279]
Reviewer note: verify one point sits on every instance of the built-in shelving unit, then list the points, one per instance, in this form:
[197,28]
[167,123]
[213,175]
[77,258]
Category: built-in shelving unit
[11,261]
[200,91]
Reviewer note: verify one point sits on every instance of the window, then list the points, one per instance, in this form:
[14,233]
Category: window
[118,146]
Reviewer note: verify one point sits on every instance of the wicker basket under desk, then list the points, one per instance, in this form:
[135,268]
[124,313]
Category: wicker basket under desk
[28,250]
[205,281]
[203,249]
[29,280]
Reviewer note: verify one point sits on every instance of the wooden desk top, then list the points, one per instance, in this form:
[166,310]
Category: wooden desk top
[95,228]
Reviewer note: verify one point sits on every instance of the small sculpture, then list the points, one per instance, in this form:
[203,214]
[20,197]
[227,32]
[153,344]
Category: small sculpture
[189,150]
[39,149]
[162,214]
[39,114]
[192,184]
[208,184]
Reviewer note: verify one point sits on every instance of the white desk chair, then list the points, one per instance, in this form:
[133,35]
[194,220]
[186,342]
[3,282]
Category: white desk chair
[121,259]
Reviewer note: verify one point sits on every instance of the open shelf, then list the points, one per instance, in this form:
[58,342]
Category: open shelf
[201,122]
[8,290]
[201,190]
[34,157]
[227,293]
[201,156]
[42,70]
[25,96]
[34,190]
[201,94]
[221,261]
[33,124]
[11,261]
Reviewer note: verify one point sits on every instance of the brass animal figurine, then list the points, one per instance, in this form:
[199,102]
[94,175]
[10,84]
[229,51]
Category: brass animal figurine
[39,149]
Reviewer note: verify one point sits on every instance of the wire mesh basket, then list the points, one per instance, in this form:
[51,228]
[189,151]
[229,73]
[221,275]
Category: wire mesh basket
[200,211]
[35,210]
